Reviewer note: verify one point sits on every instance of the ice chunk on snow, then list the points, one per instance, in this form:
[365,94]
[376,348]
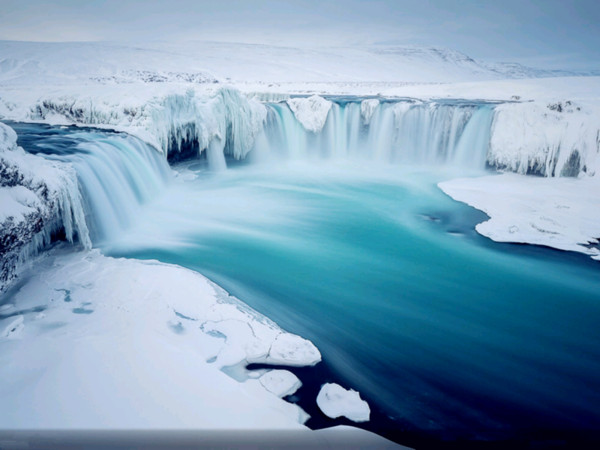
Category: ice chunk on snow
[367,108]
[335,401]
[311,112]
[280,382]
[292,350]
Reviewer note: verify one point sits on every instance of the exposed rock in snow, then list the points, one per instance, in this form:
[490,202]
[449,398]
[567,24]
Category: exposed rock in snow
[311,112]
[37,197]
[280,382]
[116,343]
[151,76]
[335,401]
[367,108]
[561,213]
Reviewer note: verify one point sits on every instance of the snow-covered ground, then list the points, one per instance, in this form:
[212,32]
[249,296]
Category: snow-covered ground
[561,213]
[116,343]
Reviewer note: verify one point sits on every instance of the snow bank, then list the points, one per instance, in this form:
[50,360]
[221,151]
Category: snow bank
[550,139]
[335,401]
[37,198]
[97,342]
[561,213]
[311,112]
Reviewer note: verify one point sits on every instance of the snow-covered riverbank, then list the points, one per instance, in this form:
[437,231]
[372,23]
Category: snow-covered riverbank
[116,343]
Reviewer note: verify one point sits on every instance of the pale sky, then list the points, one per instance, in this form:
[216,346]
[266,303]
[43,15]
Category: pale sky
[539,33]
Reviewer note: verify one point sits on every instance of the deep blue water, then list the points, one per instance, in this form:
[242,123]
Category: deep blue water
[445,333]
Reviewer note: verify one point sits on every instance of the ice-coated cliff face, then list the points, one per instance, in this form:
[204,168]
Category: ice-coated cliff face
[39,198]
[181,125]
[225,124]
[552,140]
[541,138]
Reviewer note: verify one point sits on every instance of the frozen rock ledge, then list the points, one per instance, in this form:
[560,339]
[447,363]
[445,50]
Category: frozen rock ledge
[335,401]
[311,112]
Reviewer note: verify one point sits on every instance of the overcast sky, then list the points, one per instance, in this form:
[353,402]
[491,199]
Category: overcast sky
[541,33]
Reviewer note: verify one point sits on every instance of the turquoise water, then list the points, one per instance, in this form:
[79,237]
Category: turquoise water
[444,332]
[384,273]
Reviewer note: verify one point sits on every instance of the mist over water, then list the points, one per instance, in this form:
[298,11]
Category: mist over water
[355,248]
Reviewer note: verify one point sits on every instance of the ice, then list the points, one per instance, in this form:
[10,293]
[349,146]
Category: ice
[554,138]
[311,112]
[289,349]
[367,108]
[38,197]
[208,123]
[17,202]
[562,213]
[280,382]
[123,366]
[335,401]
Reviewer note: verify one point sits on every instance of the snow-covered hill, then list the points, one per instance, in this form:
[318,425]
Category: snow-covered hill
[202,62]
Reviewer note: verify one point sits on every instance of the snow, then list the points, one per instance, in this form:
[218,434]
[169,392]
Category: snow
[550,139]
[97,342]
[130,346]
[562,213]
[17,201]
[21,170]
[203,61]
[37,198]
[367,108]
[335,401]
[280,382]
[311,112]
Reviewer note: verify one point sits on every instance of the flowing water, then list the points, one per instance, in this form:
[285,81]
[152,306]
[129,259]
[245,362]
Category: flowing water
[337,238]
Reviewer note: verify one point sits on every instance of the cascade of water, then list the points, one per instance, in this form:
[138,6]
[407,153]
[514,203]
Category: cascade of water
[405,132]
[116,173]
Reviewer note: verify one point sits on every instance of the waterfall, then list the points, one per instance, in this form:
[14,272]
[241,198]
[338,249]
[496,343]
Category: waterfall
[116,173]
[406,132]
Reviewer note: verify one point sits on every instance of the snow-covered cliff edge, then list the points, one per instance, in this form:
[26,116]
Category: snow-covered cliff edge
[39,198]
[554,139]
